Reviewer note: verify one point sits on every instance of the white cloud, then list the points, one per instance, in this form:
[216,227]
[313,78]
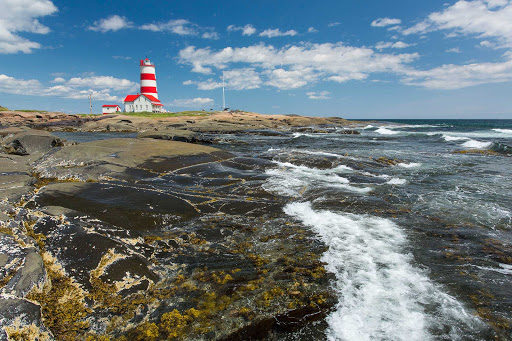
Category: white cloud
[481,18]
[122,57]
[198,102]
[102,82]
[294,66]
[454,50]
[396,45]
[333,24]
[272,33]
[210,35]
[319,95]
[383,22]
[21,16]
[181,27]
[247,30]
[78,88]
[236,79]
[460,76]
[312,30]
[112,23]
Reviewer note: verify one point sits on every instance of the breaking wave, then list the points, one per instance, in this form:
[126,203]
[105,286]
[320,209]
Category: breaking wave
[382,296]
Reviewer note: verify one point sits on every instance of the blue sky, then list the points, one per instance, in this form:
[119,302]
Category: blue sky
[353,59]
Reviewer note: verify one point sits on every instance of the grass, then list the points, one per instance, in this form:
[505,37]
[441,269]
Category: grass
[3,108]
[165,114]
[29,110]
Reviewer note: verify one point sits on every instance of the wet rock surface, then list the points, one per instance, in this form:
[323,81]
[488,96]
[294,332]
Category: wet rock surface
[151,239]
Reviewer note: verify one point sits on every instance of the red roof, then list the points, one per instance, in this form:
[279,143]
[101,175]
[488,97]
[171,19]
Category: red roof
[110,105]
[152,98]
[131,98]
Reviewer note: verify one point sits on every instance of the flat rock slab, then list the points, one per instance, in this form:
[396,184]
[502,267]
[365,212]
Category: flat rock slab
[172,135]
[110,158]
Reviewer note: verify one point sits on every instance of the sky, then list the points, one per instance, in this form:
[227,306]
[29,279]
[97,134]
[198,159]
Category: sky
[353,59]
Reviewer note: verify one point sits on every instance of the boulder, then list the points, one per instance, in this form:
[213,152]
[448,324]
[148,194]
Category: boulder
[30,142]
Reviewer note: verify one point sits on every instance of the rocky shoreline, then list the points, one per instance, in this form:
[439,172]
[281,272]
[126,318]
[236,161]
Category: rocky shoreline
[159,237]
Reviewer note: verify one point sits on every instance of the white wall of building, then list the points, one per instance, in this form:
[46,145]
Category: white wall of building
[141,103]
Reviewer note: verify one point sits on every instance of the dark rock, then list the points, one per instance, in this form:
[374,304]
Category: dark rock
[173,135]
[29,142]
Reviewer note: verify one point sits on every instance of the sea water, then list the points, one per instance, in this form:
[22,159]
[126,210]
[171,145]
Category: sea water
[421,249]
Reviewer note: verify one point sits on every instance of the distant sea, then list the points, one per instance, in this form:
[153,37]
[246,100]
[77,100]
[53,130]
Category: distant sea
[418,229]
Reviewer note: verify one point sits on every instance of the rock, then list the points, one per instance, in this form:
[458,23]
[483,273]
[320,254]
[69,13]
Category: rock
[124,159]
[349,132]
[173,135]
[14,186]
[30,142]
[31,274]
[21,320]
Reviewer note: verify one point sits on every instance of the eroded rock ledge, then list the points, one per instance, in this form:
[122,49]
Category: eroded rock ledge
[143,239]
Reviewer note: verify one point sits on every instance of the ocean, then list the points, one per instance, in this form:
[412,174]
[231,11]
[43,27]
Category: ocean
[418,230]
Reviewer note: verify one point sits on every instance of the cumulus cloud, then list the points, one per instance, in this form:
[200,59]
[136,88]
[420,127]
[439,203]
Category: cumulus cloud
[272,33]
[21,16]
[112,23]
[236,79]
[319,95]
[480,18]
[460,76]
[181,27]
[78,88]
[197,102]
[333,24]
[383,22]
[247,30]
[294,66]
[396,45]
[312,30]
[210,35]
[454,50]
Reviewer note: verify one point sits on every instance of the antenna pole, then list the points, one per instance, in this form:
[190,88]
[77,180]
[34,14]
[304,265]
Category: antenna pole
[90,102]
[223,93]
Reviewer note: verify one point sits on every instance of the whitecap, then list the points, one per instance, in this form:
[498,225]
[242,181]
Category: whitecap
[292,180]
[476,144]
[409,165]
[382,296]
[455,138]
[385,131]
[397,181]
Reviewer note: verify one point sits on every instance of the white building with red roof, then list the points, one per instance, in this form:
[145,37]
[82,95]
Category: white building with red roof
[110,108]
[147,100]
[142,102]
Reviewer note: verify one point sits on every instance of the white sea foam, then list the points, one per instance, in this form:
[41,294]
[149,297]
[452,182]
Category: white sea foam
[504,131]
[409,165]
[397,181]
[476,144]
[382,296]
[369,126]
[455,138]
[386,131]
[292,180]
[314,152]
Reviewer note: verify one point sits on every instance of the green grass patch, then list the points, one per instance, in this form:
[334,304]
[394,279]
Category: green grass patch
[29,110]
[3,108]
[165,114]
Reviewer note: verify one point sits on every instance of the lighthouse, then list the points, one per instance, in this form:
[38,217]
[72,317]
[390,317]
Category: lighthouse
[147,78]
[147,100]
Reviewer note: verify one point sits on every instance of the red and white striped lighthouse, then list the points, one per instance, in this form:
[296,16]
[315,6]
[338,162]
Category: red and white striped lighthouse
[147,78]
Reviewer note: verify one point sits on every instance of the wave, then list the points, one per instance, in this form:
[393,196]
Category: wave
[292,180]
[504,131]
[454,138]
[409,165]
[397,181]
[474,144]
[386,131]
[382,296]
[501,148]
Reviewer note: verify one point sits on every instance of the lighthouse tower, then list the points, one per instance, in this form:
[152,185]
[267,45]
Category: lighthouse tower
[147,78]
